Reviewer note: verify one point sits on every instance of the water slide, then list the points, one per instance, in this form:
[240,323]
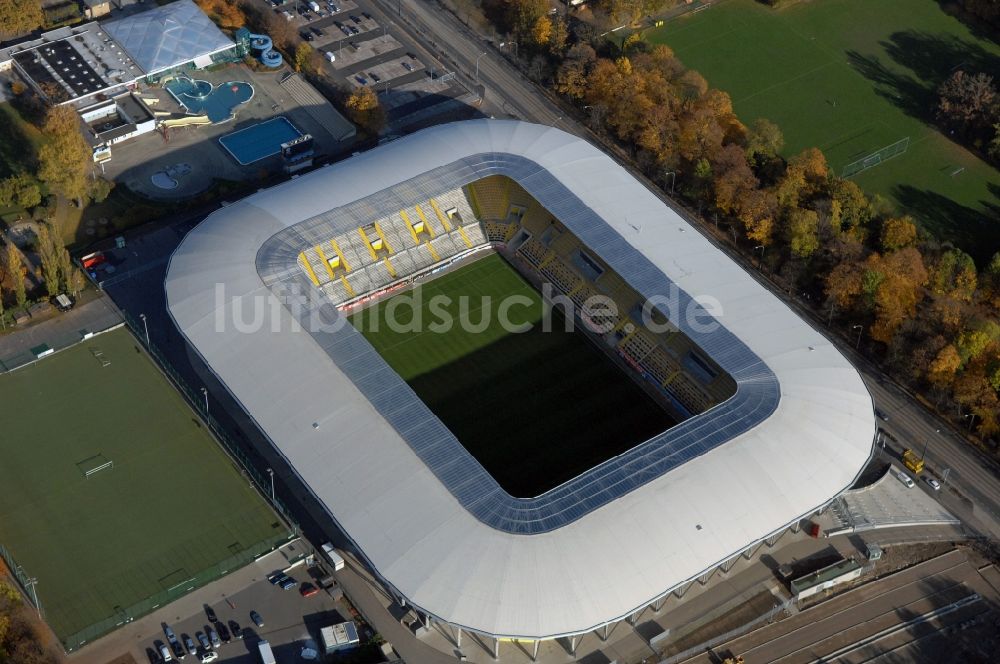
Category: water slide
[186,120]
[264,48]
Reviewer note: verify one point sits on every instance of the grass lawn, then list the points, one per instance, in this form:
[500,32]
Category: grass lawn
[534,408]
[850,77]
[172,506]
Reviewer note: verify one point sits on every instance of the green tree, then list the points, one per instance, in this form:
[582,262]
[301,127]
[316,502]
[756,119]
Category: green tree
[954,275]
[303,55]
[20,190]
[898,232]
[48,252]
[974,341]
[17,272]
[19,16]
[65,159]
[802,232]
[764,141]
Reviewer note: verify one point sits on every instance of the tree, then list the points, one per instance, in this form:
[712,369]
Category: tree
[558,37]
[807,173]
[967,101]
[541,31]
[764,141]
[48,252]
[895,282]
[844,284]
[100,189]
[802,232]
[854,210]
[523,15]
[955,275]
[17,272]
[303,56]
[973,342]
[897,233]
[734,180]
[941,372]
[20,190]
[18,17]
[65,159]
[365,110]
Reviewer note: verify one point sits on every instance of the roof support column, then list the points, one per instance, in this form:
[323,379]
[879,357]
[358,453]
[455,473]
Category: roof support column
[634,618]
[573,640]
[795,527]
[426,619]
[458,638]
[534,651]
[680,591]
[728,564]
[658,604]
[773,539]
[704,578]
[496,647]
[604,632]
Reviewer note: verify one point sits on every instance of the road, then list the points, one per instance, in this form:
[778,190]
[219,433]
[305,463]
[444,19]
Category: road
[971,473]
[907,613]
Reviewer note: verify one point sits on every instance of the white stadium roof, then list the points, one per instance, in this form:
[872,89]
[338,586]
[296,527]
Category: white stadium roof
[421,511]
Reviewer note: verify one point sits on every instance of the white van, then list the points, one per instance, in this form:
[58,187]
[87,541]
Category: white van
[335,559]
[905,479]
[330,56]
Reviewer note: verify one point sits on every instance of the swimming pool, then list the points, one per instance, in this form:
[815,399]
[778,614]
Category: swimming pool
[216,102]
[260,140]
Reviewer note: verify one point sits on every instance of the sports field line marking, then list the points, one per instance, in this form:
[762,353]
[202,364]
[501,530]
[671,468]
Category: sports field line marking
[786,81]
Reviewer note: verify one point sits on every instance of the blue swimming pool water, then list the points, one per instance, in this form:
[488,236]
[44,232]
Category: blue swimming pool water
[217,103]
[260,140]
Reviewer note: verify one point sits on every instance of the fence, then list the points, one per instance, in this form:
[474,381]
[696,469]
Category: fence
[125,615]
[26,582]
[198,401]
[731,634]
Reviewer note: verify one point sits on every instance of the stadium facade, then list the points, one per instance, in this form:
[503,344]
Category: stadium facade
[788,428]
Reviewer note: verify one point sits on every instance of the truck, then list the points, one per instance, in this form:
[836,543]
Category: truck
[314,6]
[335,559]
[912,461]
[266,656]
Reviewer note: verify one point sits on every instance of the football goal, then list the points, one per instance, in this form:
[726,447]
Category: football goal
[876,158]
[95,464]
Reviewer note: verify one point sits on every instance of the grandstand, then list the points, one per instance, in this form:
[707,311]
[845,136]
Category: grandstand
[774,423]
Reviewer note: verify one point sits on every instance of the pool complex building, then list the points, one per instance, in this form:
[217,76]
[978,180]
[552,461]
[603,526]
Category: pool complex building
[201,97]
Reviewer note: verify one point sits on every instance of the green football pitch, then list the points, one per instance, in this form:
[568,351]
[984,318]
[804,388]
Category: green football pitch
[535,408]
[851,77]
[171,506]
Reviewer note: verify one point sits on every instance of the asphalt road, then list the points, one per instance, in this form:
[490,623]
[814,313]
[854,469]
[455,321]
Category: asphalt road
[970,472]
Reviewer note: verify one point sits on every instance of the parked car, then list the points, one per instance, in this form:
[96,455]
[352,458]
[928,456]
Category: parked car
[354,31]
[316,31]
[355,19]
[367,16]
[236,630]
[257,620]
[333,7]
[288,15]
[164,652]
[220,627]
[190,644]
[375,77]
[277,578]
[411,56]
[210,613]
[330,56]
[361,79]
[203,640]
[178,650]
[214,638]
[407,66]
[934,484]
[209,656]
[344,29]
[905,479]
[308,590]
[288,583]
[306,36]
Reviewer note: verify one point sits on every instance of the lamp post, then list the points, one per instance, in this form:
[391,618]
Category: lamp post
[271,474]
[924,451]
[477,64]
[860,329]
[204,393]
[972,418]
[762,248]
[145,327]
[673,180]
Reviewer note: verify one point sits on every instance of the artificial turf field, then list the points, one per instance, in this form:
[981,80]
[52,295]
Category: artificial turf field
[850,77]
[172,506]
[534,408]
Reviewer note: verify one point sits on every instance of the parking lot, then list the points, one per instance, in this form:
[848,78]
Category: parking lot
[289,621]
[363,48]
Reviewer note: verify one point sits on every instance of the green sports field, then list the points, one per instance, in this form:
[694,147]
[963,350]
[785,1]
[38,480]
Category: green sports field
[850,77]
[535,408]
[171,507]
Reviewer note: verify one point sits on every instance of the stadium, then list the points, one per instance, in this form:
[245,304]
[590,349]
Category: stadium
[481,476]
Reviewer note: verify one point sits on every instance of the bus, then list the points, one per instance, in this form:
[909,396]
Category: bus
[912,461]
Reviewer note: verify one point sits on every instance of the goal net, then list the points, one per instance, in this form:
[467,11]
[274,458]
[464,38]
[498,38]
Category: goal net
[876,158]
